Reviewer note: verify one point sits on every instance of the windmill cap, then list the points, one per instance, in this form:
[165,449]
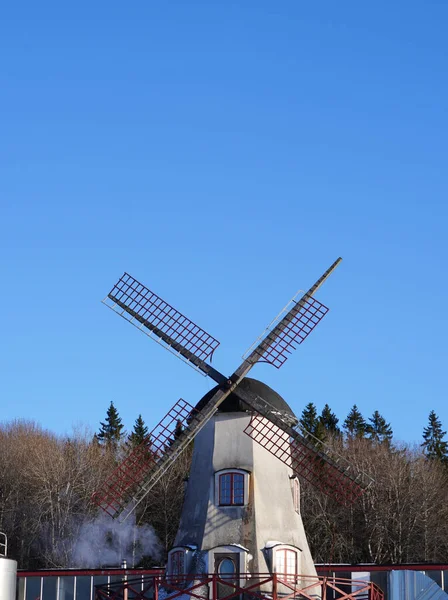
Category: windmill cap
[233,404]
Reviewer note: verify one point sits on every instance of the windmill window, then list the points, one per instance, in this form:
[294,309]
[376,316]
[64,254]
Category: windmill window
[295,485]
[286,564]
[177,560]
[231,488]
[226,568]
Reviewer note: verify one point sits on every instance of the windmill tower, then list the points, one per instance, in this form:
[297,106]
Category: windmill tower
[242,507]
[241,511]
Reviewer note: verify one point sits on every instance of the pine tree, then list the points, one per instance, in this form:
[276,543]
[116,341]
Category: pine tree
[139,433]
[310,421]
[434,445]
[111,431]
[378,430]
[177,432]
[354,424]
[329,421]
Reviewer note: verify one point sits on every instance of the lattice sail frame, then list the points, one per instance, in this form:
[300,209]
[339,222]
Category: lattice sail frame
[321,466]
[297,329]
[118,490]
[159,320]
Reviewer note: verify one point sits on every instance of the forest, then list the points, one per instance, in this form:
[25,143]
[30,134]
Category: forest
[46,483]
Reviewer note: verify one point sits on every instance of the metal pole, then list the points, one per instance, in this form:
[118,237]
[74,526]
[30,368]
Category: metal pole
[125,579]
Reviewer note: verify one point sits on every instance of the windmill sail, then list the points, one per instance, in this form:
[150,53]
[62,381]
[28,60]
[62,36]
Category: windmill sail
[297,329]
[120,491]
[310,459]
[292,326]
[148,312]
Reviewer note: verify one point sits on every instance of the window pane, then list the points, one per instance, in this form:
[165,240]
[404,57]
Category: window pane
[225,489]
[116,584]
[66,585]
[135,591]
[100,580]
[435,575]
[32,588]
[177,563]
[280,562]
[226,567]
[238,488]
[50,586]
[290,562]
[286,563]
[83,588]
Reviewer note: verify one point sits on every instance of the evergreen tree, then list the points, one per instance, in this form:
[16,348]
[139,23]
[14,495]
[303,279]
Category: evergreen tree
[434,445]
[111,431]
[139,433]
[311,422]
[378,430]
[329,421]
[177,432]
[354,424]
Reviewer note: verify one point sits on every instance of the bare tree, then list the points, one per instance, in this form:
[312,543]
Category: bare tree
[163,505]
[402,517]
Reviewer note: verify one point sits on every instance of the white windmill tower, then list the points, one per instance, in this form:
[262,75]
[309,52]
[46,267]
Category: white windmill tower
[241,515]
[241,511]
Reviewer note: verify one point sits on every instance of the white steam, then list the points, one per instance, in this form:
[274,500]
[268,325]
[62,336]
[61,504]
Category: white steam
[106,542]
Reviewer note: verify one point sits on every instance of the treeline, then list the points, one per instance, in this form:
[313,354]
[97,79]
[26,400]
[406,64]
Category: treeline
[46,483]
[375,429]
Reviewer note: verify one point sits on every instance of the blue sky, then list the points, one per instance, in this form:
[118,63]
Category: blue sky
[224,154]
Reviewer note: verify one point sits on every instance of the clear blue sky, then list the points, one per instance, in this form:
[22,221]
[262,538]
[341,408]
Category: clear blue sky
[225,153]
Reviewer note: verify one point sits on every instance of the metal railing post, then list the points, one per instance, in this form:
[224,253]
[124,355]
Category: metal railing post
[214,587]
[3,544]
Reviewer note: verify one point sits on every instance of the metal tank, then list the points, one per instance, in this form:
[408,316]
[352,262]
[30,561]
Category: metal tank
[8,577]
[8,572]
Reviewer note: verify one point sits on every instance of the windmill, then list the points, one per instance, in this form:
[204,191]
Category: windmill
[271,425]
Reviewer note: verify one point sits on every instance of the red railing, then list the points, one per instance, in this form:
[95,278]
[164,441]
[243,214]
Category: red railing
[256,586]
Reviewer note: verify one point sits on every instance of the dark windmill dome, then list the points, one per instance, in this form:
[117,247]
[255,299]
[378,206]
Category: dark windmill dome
[233,404]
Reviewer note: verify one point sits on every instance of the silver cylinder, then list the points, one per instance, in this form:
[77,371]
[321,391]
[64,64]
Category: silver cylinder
[8,577]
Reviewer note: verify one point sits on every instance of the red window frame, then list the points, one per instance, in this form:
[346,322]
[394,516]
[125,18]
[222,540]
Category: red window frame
[288,575]
[232,501]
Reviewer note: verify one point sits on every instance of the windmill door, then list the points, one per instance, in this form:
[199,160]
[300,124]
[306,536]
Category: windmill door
[227,567]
